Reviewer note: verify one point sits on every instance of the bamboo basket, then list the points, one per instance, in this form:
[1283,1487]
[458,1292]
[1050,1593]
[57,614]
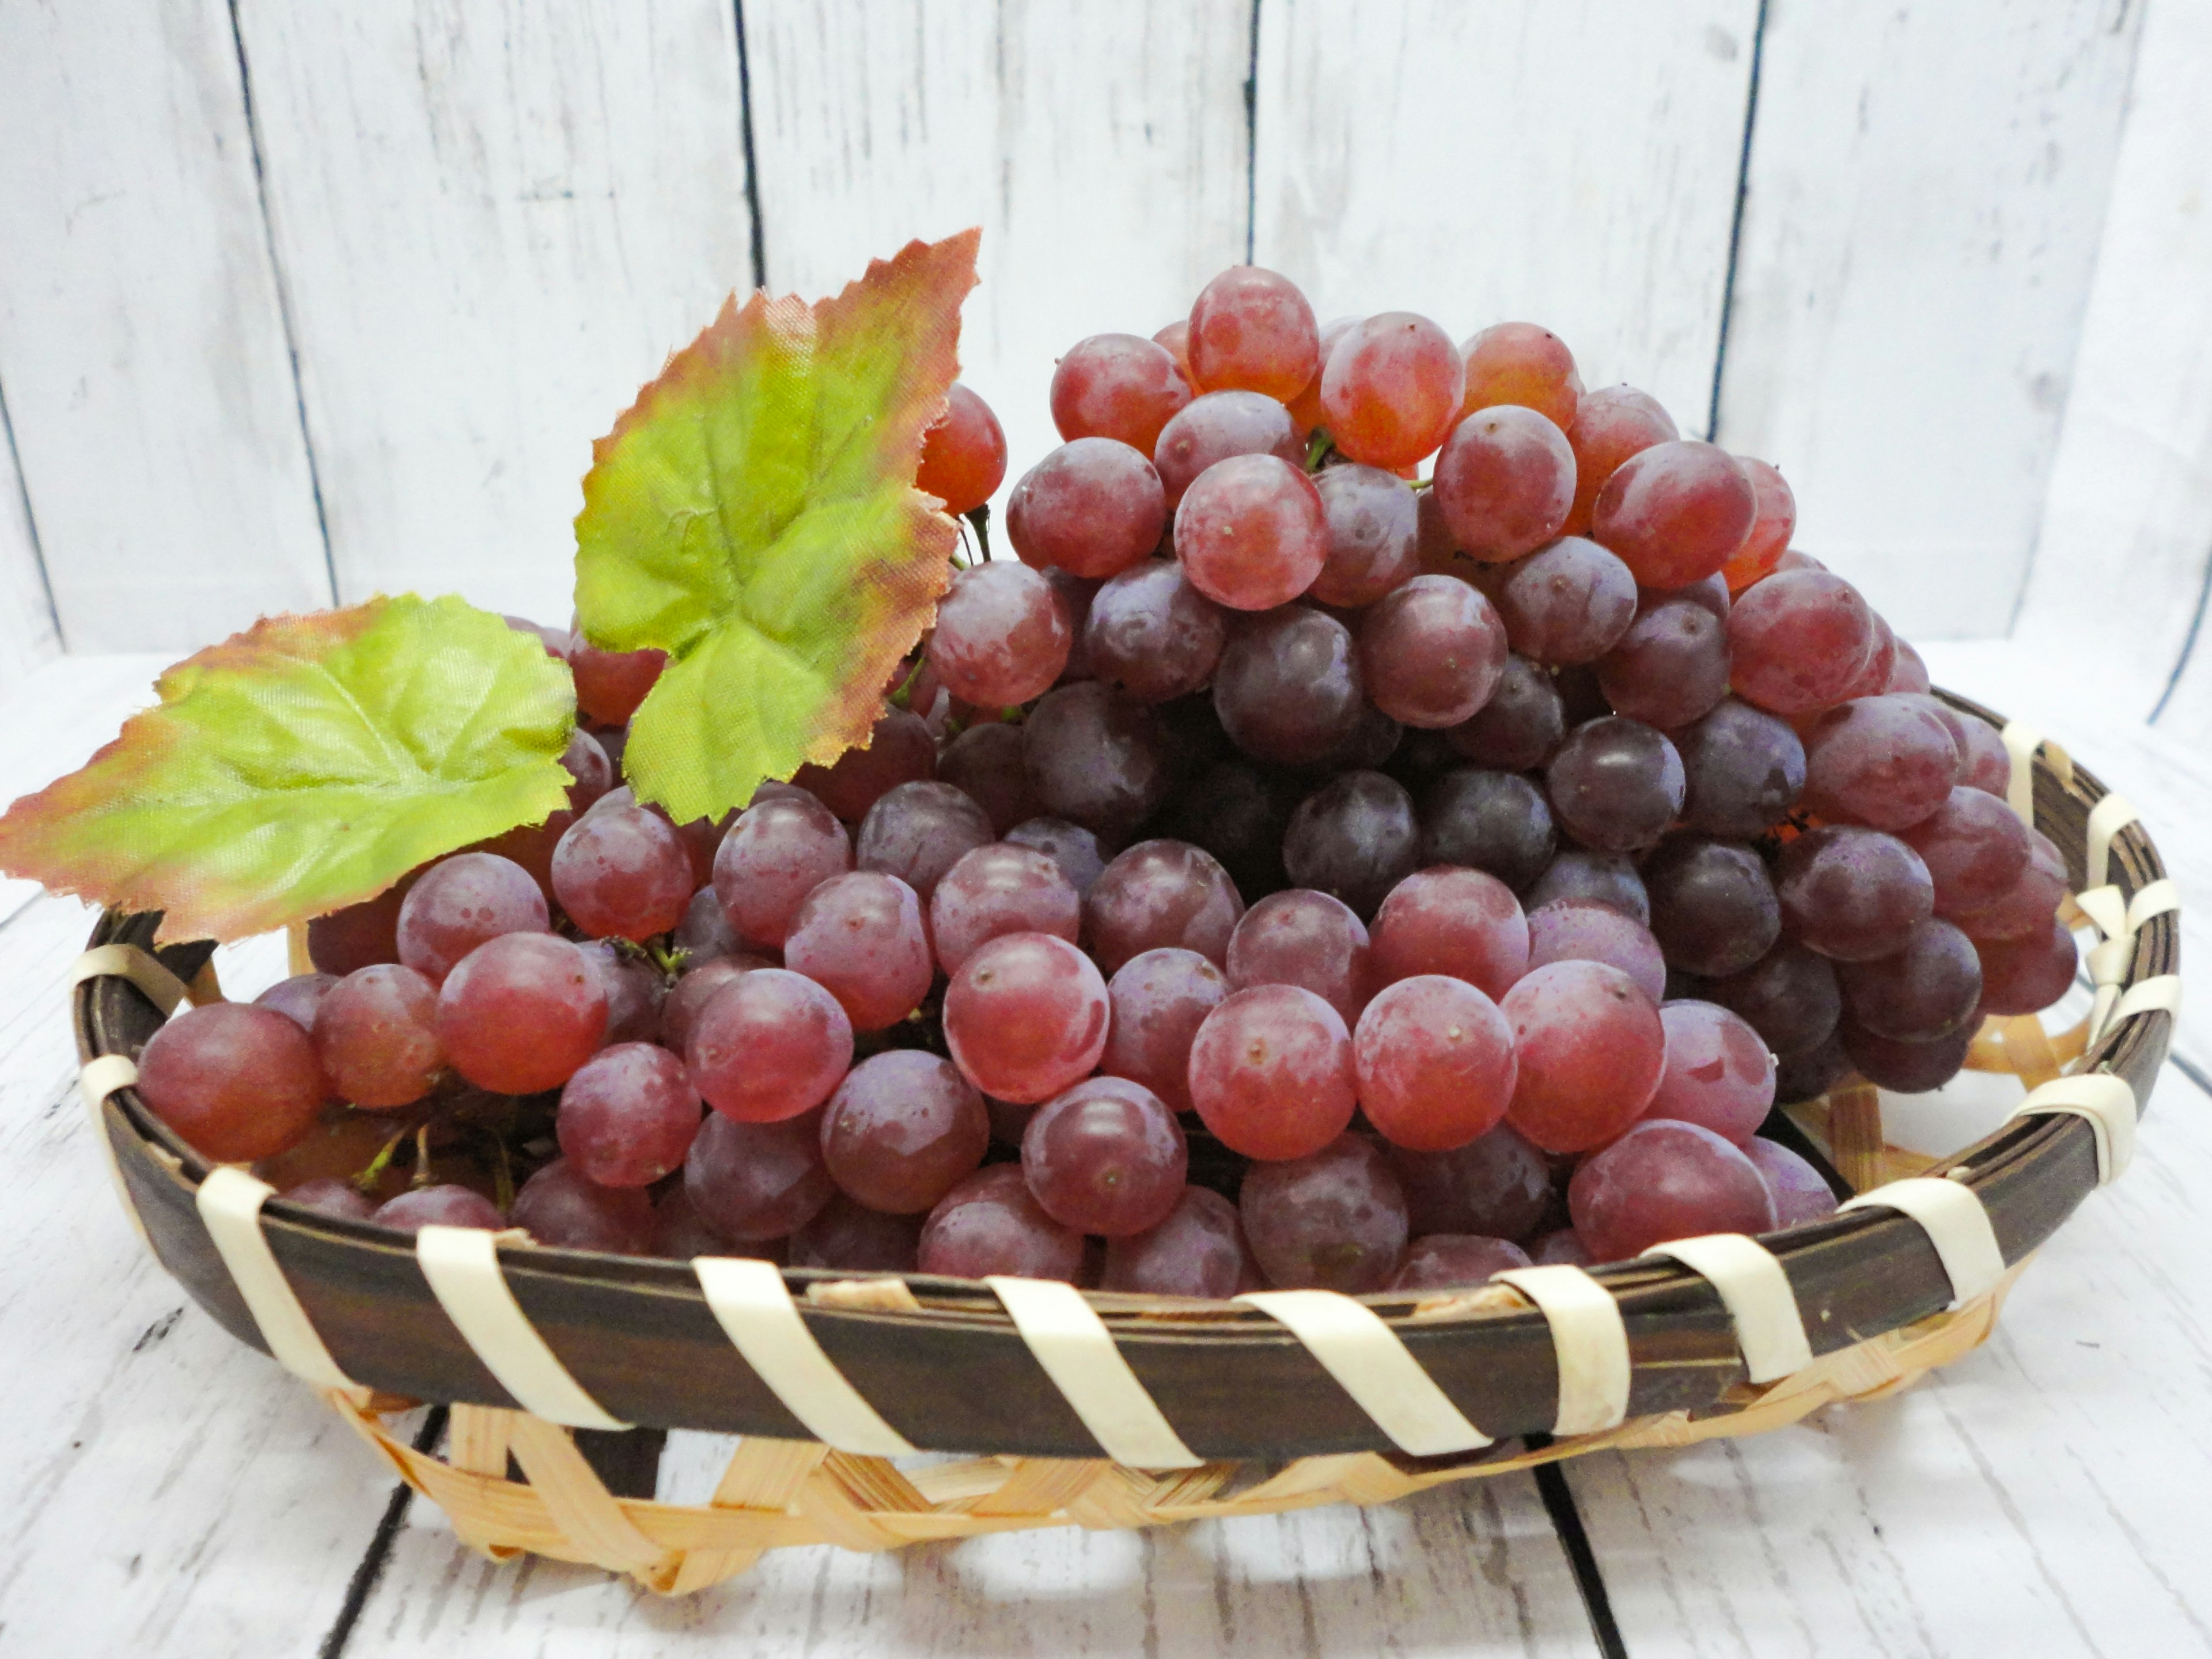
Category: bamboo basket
[1100,1410]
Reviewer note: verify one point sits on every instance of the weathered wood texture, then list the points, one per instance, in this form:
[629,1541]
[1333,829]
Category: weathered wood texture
[1573,165]
[1926,185]
[28,635]
[1102,148]
[143,348]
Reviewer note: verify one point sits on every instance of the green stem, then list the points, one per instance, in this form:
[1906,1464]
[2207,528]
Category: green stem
[903,697]
[1419,484]
[668,959]
[1317,446]
[981,518]
[374,1169]
[421,1176]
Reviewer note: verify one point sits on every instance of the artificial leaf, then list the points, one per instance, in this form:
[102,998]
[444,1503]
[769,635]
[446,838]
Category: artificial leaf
[306,763]
[754,516]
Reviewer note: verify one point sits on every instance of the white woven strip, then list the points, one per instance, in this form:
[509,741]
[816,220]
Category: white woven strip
[1588,1340]
[1370,1364]
[462,1264]
[2158,899]
[1755,1290]
[2021,741]
[2107,907]
[2101,1014]
[230,1203]
[1950,1212]
[2108,963]
[99,1078]
[162,988]
[2161,993]
[2108,1104]
[1073,1343]
[749,1300]
[2106,819]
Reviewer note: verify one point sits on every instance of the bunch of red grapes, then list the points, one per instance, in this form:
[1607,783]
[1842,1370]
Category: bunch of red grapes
[1475,857]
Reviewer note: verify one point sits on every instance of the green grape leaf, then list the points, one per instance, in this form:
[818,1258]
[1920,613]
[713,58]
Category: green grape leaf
[306,763]
[754,516]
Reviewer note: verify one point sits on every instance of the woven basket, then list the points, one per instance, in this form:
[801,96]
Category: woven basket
[1101,1410]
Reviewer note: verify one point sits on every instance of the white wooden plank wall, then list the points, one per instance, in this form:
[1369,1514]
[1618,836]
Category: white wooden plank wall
[27,635]
[1927,183]
[1102,148]
[495,220]
[143,348]
[1572,164]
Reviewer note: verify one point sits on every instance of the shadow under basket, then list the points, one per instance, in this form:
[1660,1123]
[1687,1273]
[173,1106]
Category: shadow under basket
[1099,1410]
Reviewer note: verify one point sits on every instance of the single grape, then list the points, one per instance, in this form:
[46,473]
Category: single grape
[2025,907]
[460,902]
[1449,1261]
[1570,601]
[984,763]
[446,1205]
[298,997]
[611,685]
[990,1225]
[1117,386]
[586,761]
[1812,1072]
[705,933]
[1873,677]
[1025,1016]
[1591,1048]
[1198,1250]
[1800,1192]
[627,1116]
[1522,363]
[1288,688]
[1789,996]
[376,1035]
[1615,784]
[1070,846]
[1976,850]
[1663,1180]
[1091,508]
[963,452]
[902,1130]
[849,1237]
[1713,907]
[1151,636]
[1520,727]
[1675,513]
[1157,999]
[1216,426]
[1001,637]
[1175,336]
[1251,532]
[1096,760]
[1159,894]
[1852,893]
[520,1013]
[899,750]
[2027,975]
[330,1195]
[1718,1073]
[1465,924]
[235,1081]
[1563,1248]
[1610,425]
[1251,330]
[1498,1185]
[1881,762]
[1743,770]
[1585,930]
[1605,878]
[1271,1074]
[1334,1219]
[861,938]
[1796,642]
[1374,534]
[1436,1064]
[1238,812]
[1303,938]
[360,934]
[622,873]
[999,889]
[757,1181]
[1106,1157]
[1905,1068]
[1927,989]
[1391,389]
[1503,483]
[1671,667]
[918,831]
[1356,837]
[1431,652]
[1910,673]
[1306,410]
[563,1208]
[681,1007]
[767,1045]
[1771,525]
[778,852]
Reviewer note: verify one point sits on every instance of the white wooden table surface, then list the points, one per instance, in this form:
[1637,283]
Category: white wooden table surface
[173,1493]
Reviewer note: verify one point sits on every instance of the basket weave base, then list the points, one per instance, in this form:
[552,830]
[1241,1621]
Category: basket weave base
[775,1494]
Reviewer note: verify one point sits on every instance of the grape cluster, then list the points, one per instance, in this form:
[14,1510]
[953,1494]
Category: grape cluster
[1293,871]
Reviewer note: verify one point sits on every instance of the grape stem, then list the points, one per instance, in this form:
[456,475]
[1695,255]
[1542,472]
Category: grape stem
[1419,484]
[903,697]
[981,518]
[372,1171]
[1317,446]
[669,960]
[421,1176]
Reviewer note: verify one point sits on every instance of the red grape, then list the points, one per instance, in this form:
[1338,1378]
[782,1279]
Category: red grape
[1520,364]
[1334,1219]
[1096,760]
[918,831]
[622,873]
[611,685]
[1503,483]
[1927,989]
[1910,673]
[963,452]
[990,1225]
[1374,534]
[1216,426]
[1498,1185]
[442,1205]
[1591,1051]
[1564,1248]
[1796,642]
[1251,330]
[1160,894]
[1431,652]
[999,889]
[778,852]
[767,1045]
[1663,1180]
[984,763]
[1070,846]
[1391,389]
[1465,924]
[1675,513]
[861,938]
[1615,784]
[235,1081]
[1117,386]
[521,1012]
[1152,636]
[563,1208]
[1610,425]
[1306,410]
[627,1116]
[1251,532]
[1777,516]
[1106,1158]
[1288,689]
[1001,637]
[2027,975]
[1852,893]
[1570,601]
[1303,938]
[1435,1063]
[330,1195]
[1718,1074]
[903,1131]
[458,902]
[586,762]
[298,997]
[359,935]
[1092,507]
[1801,1193]
[1271,1074]
[757,1181]
[2028,904]
[1713,908]
[1198,1250]
[1158,999]
[1451,1260]
[1671,667]
[1585,930]
[1976,850]
[376,1035]
[900,749]
[681,1007]
[1025,1016]
[1522,725]
[1878,760]
[851,1238]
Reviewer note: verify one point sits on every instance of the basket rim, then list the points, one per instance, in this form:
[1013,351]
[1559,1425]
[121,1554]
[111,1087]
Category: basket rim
[2030,1173]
